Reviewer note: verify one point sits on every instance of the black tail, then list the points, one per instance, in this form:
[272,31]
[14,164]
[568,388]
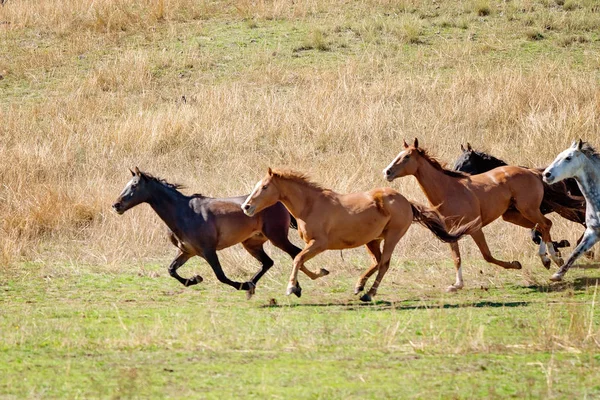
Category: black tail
[432,220]
[293,222]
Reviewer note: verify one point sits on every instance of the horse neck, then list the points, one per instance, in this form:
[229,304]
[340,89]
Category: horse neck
[587,179]
[434,183]
[294,196]
[165,202]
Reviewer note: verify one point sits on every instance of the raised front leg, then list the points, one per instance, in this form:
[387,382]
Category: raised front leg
[590,237]
[210,255]
[458,284]
[487,255]
[178,262]
[312,249]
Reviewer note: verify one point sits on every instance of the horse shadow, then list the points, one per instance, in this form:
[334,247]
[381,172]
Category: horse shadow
[578,284]
[382,305]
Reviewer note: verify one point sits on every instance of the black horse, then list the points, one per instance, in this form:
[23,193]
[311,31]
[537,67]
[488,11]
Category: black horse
[200,225]
[564,198]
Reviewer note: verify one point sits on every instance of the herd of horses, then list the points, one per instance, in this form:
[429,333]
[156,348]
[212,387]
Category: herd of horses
[478,190]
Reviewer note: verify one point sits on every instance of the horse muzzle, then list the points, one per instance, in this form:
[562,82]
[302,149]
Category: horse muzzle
[248,209]
[118,207]
[387,174]
[548,178]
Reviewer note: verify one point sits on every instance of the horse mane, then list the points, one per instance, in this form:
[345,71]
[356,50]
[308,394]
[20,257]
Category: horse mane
[161,181]
[489,157]
[297,177]
[590,152]
[439,166]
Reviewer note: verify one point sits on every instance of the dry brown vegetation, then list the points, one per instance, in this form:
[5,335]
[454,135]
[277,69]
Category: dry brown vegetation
[210,93]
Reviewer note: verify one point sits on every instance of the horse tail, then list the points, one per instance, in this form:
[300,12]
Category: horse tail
[433,221]
[293,222]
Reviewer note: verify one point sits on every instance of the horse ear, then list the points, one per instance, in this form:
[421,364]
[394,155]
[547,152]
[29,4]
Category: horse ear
[270,172]
[136,170]
[405,144]
[132,173]
[579,144]
[462,148]
[416,143]
[469,148]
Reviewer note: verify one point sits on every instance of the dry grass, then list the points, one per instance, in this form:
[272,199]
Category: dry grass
[91,88]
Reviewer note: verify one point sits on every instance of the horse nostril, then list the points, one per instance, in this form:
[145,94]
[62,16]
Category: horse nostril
[116,205]
[246,206]
[547,174]
[388,172]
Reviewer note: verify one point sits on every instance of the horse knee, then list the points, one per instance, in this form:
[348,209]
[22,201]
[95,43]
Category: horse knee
[488,257]
[173,272]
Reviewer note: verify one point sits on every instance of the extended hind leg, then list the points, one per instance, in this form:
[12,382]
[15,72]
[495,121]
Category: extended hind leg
[254,246]
[459,284]
[278,235]
[389,243]
[374,249]
[479,239]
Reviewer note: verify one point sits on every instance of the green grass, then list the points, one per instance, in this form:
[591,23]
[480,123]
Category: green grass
[91,332]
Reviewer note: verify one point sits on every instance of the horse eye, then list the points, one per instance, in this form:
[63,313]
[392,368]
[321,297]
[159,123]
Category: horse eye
[264,187]
[134,186]
[407,157]
[568,158]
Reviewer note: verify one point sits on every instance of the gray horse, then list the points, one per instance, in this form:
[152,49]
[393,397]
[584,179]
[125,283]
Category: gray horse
[581,162]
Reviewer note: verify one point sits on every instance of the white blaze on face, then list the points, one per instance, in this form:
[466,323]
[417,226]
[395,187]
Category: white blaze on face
[398,157]
[249,198]
[127,187]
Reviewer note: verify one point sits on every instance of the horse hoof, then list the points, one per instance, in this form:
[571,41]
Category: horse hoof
[193,281]
[546,264]
[451,289]
[358,289]
[324,272]
[250,292]
[366,298]
[297,290]
[556,278]
[516,265]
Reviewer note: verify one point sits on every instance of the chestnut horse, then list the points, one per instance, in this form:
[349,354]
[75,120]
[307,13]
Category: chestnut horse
[514,193]
[200,225]
[328,220]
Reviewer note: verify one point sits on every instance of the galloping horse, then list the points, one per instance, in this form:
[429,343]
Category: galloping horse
[199,226]
[511,192]
[564,198]
[581,162]
[328,220]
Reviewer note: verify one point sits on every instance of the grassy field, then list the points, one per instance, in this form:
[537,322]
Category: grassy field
[211,93]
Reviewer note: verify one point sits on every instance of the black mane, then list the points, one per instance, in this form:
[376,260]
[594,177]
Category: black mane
[476,162]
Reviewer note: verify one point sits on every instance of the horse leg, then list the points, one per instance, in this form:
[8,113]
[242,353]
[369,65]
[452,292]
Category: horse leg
[459,284]
[312,249]
[254,246]
[515,217]
[479,239]
[390,242]
[278,236]
[178,262]
[590,237]
[210,255]
[543,225]
[374,249]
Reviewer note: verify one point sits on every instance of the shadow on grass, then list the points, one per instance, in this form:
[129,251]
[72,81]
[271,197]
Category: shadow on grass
[586,266]
[577,284]
[387,305]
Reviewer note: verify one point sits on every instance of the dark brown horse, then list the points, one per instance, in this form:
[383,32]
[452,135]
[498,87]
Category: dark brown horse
[513,193]
[199,226]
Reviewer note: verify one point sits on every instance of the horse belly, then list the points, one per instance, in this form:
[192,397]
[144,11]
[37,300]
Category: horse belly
[232,231]
[356,234]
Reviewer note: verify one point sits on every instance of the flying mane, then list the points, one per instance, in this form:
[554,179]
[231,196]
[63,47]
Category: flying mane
[439,166]
[163,182]
[590,152]
[297,177]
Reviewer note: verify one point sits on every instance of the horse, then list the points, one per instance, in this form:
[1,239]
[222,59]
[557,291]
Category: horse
[564,197]
[200,225]
[581,162]
[332,221]
[514,193]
